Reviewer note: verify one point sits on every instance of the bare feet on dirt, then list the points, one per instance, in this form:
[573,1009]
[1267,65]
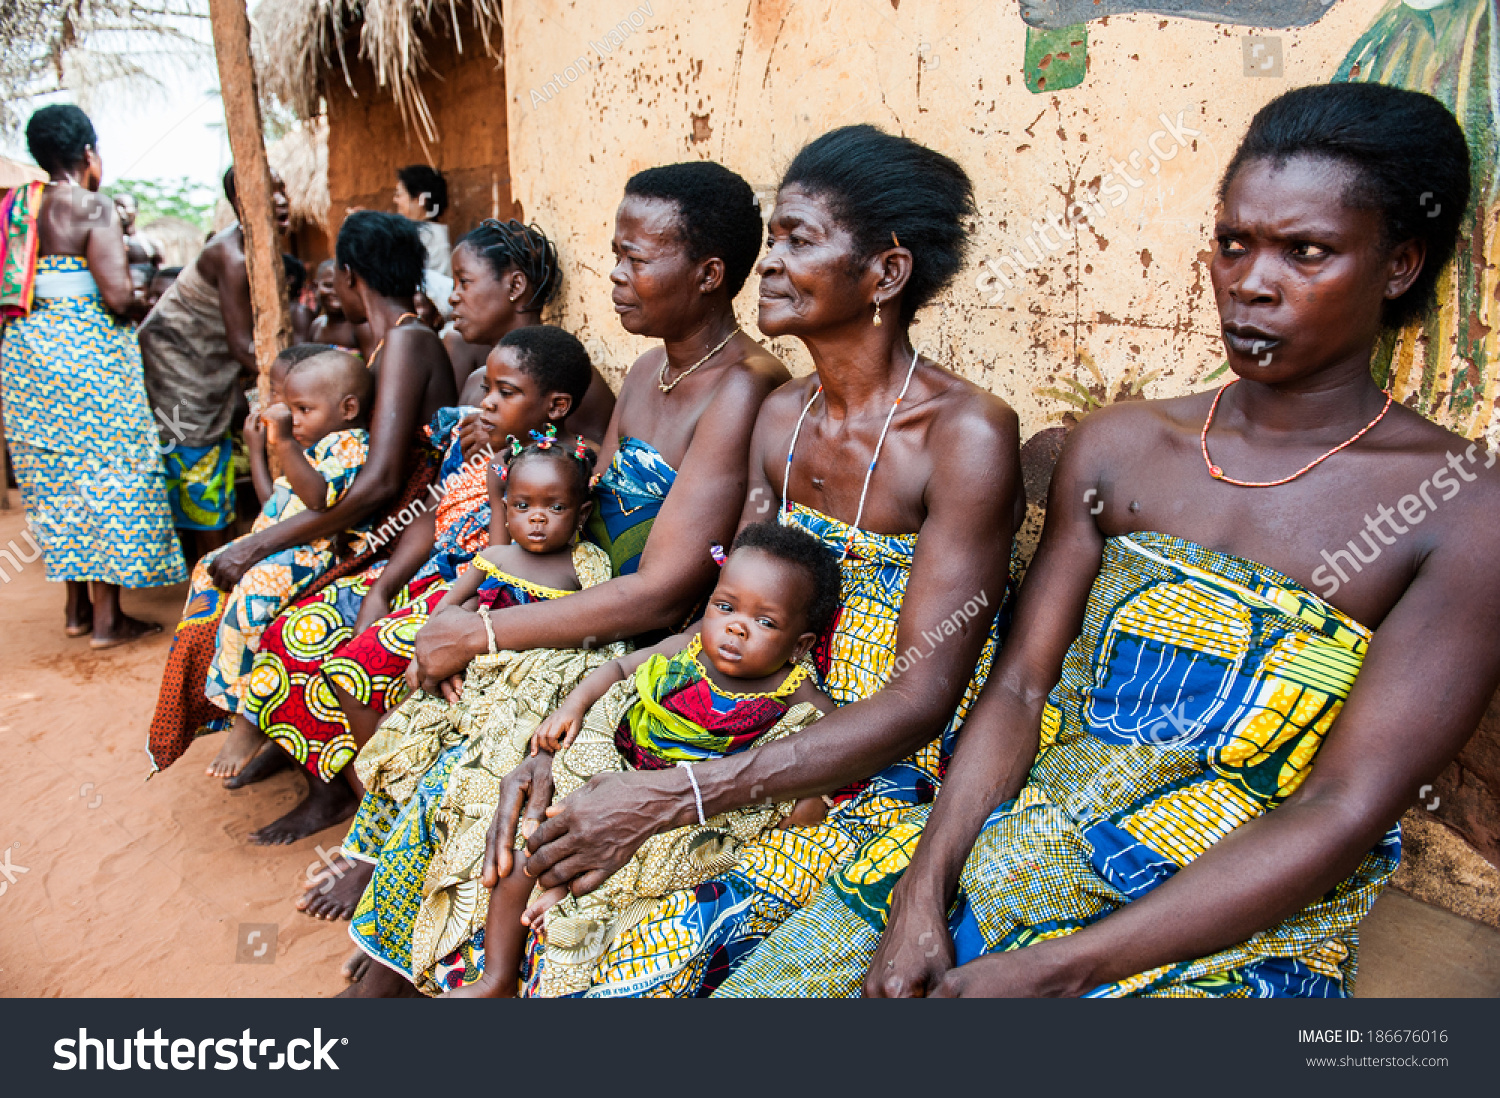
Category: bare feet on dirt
[356,966]
[125,630]
[270,760]
[338,890]
[326,804]
[243,742]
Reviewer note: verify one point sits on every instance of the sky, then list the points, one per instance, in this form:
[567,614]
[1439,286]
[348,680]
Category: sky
[167,132]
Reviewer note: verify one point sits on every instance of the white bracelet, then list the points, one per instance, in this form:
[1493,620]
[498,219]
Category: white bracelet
[489,630]
[697,793]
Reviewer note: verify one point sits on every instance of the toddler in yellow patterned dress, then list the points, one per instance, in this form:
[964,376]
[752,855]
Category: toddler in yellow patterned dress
[733,680]
[317,432]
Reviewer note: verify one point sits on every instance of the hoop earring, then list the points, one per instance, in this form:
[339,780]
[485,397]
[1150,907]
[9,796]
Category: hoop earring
[877,313]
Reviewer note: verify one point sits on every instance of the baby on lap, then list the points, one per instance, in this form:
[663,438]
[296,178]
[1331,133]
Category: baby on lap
[316,429]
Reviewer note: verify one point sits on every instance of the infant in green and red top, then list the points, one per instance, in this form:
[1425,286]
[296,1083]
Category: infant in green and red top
[732,681]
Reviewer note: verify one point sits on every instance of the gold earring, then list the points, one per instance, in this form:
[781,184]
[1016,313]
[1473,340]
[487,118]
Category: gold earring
[877,312]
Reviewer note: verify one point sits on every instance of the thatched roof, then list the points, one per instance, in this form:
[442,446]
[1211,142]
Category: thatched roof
[296,41]
[180,240]
[15,173]
[300,157]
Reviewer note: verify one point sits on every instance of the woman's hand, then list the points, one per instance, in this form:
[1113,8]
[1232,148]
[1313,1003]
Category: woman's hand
[445,645]
[916,950]
[1039,971]
[596,829]
[529,784]
[236,558]
[558,730]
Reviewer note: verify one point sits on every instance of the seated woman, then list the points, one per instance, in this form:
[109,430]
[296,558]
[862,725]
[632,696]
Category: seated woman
[379,266]
[316,430]
[319,685]
[1223,753]
[686,238]
[911,476]
[504,275]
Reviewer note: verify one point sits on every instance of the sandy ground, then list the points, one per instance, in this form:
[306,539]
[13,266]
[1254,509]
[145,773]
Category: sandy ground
[149,888]
[133,887]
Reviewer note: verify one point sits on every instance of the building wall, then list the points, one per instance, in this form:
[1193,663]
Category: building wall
[367,140]
[1114,310]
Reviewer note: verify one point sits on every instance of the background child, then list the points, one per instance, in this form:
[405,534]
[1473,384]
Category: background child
[330,325]
[732,681]
[317,432]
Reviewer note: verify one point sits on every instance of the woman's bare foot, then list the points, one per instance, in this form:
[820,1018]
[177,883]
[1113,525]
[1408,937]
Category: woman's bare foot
[122,630]
[337,894]
[243,742]
[356,966]
[269,760]
[326,804]
[378,982]
[78,616]
[486,987]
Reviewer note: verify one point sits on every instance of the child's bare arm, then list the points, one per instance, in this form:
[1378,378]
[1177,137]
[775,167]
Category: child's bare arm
[305,480]
[561,727]
[808,692]
[463,588]
[255,446]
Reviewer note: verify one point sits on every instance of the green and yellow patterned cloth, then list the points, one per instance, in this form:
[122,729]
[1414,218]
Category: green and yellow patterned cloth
[1194,700]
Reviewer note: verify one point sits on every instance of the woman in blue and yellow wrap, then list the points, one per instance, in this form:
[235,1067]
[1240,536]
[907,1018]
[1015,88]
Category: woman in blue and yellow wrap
[911,476]
[1222,690]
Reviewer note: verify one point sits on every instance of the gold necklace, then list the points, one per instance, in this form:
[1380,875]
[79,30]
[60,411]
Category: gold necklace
[661,379]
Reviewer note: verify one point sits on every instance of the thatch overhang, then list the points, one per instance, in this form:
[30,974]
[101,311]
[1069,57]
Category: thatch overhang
[299,43]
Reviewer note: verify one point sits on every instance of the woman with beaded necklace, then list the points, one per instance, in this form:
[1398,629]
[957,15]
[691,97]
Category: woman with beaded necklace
[1185,775]
[878,448]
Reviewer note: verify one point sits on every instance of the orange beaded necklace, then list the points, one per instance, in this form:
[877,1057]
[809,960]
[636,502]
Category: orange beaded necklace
[1219,474]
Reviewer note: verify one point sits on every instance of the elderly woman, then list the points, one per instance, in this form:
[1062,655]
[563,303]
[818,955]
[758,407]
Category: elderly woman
[1224,753]
[911,476]
[76,417]
[686,239]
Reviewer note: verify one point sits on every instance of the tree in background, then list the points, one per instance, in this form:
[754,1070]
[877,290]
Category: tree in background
[180,198]
[87,47]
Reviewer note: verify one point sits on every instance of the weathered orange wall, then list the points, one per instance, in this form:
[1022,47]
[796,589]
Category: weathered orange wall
[367,140]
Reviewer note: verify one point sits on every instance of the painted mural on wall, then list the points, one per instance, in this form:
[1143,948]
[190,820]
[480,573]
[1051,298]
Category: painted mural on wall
[1445,366]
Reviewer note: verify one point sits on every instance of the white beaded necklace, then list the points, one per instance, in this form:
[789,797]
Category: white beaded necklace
[859,513]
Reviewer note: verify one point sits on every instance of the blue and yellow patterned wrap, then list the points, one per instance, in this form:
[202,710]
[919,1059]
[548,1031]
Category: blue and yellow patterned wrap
[83,439]
[1194,700]
[627,499]
[696,937]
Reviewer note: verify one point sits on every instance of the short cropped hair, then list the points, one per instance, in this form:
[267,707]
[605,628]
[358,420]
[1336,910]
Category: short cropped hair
[1407,157]
[716,213]
[553,358]
[58,137]
[885,189]
[385,250]
[351,376]
[797,547]
[419,180]
[296,272]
